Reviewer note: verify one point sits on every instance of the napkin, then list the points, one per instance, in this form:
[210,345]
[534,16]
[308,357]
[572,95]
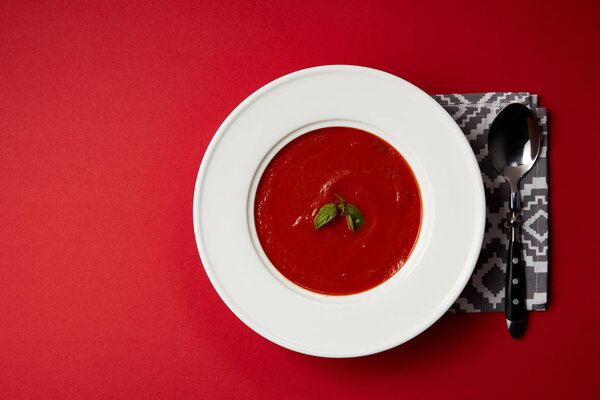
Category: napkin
[485,290]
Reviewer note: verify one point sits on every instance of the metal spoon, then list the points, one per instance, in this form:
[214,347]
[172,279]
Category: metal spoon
[514,144]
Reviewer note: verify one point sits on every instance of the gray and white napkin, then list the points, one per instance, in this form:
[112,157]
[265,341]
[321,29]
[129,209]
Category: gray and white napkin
[485,291]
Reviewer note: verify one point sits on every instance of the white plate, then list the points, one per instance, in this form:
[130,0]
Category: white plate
[451,232]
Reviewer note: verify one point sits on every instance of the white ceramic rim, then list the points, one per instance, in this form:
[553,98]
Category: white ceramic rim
[311,303]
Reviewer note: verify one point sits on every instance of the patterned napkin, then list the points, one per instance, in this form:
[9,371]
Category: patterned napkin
[485,291]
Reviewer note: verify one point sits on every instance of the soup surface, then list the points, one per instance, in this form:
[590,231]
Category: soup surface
[306,175]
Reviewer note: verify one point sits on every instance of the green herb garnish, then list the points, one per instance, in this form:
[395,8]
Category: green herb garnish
[354,217]
[326,214]
[329,211]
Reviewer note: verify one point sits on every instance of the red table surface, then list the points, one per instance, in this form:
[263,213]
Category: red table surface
[106,110]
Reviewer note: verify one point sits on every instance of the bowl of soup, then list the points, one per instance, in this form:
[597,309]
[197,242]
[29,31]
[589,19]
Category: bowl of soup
[339,211]
[338,257]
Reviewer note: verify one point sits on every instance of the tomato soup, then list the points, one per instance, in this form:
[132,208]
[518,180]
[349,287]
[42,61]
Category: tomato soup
[311,172]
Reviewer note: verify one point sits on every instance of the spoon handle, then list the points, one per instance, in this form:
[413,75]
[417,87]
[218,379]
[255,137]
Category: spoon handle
[516,314]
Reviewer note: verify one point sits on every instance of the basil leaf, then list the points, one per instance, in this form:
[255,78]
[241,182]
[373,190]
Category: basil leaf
[326,214]
[355,215]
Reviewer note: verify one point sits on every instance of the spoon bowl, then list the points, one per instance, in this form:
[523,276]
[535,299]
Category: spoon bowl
[514,141]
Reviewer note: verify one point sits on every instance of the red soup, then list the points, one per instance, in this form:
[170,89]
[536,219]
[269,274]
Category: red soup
[308,175]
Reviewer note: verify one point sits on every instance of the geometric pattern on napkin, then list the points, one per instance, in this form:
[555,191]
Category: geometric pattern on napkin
[485,291]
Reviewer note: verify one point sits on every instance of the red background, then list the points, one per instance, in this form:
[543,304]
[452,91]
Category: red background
[106,109]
